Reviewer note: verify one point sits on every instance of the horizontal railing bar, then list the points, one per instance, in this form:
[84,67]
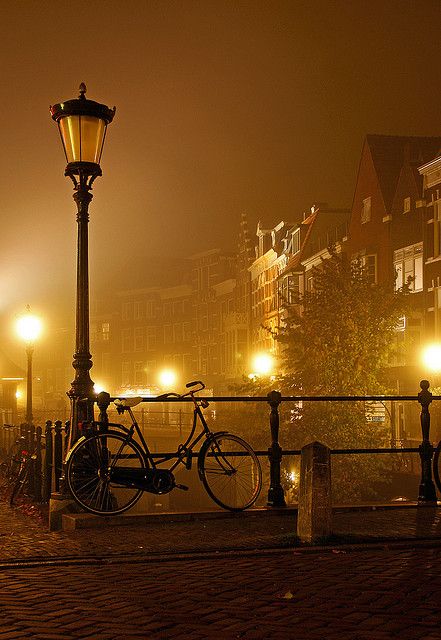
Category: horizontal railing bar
[297,452]
[403,450]
[283,398]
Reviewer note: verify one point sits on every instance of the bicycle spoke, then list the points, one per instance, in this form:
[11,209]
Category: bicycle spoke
[231,472]
[88,472]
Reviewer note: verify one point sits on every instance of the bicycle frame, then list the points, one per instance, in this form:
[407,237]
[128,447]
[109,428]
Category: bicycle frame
[183,451]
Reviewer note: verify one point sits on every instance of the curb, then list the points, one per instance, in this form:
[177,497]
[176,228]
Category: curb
[76,521]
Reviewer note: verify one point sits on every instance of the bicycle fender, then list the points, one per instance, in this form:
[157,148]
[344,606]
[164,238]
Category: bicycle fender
[204,448]
[69,453]
[81,440]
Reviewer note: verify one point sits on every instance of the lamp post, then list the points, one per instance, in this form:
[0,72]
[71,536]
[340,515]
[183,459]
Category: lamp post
[82,124]
[29,328]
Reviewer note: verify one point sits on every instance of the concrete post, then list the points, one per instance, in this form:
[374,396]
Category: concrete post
[314,519]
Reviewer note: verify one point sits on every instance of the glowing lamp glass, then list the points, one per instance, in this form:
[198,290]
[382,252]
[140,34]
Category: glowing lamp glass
[167,378]
[29,328]
[432,357]
[263,363]
[82,137]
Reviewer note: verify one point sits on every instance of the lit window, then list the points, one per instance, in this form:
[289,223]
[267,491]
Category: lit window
[105,330]
[369,263]
[406,205]
[408,266]
[366,211]
[436,229]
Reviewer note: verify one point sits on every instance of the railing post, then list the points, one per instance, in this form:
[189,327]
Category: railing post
[37,465]
[58,454]
[31,448]
[427,493]
[103,401]
[48,457]
[276,496]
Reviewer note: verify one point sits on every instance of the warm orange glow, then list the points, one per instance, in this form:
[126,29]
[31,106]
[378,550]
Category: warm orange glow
[29,327]
[167,378]
[98,387]
[263,364]
[432,357]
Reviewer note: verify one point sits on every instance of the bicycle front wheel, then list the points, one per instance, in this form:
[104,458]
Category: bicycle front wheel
[91,469]
[230,472]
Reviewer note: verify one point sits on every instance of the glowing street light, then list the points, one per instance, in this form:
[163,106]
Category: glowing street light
[82,124]
[263,364]
[29,329]
[167,378]
[431,357]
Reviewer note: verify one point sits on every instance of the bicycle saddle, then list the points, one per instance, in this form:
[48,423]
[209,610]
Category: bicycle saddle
[126,403]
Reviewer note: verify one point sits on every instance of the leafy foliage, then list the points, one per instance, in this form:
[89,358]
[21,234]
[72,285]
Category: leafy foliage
[339,337]
[337,340]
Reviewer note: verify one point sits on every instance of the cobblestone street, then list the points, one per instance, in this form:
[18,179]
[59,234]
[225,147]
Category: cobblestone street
[366,594]
[228,577]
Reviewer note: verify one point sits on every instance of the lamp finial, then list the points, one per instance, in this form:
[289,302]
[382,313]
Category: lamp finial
[82,91]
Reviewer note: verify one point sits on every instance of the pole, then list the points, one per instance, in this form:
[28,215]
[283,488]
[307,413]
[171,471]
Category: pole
[82,385]
[29,353]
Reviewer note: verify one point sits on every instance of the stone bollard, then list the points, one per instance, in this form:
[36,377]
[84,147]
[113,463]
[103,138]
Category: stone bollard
[314,518]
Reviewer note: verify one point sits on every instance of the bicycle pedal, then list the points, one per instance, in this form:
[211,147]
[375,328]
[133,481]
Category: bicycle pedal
[181,486]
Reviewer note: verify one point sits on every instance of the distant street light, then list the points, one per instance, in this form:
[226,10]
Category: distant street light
[263,364]
[82,124]
[29,328]
[167,378]
[431,357]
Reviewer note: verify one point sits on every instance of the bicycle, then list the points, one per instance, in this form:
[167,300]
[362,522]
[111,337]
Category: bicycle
[10,465]
[107,470]
[25,464]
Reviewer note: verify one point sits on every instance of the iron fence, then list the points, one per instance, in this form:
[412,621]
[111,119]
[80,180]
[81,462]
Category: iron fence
[50,444]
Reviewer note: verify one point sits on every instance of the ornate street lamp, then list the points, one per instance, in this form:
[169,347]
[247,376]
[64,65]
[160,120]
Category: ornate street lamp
[82,124]
[29,328]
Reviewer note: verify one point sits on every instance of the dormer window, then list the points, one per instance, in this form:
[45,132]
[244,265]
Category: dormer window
[406,205]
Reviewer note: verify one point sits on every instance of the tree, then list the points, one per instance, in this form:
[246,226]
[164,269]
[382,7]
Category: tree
[337,340]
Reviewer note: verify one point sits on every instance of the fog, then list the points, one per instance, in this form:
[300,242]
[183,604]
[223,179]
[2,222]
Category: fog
[222,107]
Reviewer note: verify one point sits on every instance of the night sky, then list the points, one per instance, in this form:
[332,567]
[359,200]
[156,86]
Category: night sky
[222,107]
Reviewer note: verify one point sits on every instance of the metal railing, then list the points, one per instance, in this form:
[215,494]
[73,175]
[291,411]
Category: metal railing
[48,449]
[47,470]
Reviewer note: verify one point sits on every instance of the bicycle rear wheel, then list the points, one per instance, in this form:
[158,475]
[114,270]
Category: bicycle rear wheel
[230,472]
[91,467]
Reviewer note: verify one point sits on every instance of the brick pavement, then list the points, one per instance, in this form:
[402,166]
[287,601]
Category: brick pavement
[25,537]
[375,594]
[128,582]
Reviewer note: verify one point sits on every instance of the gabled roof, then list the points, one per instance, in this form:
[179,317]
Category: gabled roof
[389,153]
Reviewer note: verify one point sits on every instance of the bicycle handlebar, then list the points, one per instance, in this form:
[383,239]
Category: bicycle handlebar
[193,384]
